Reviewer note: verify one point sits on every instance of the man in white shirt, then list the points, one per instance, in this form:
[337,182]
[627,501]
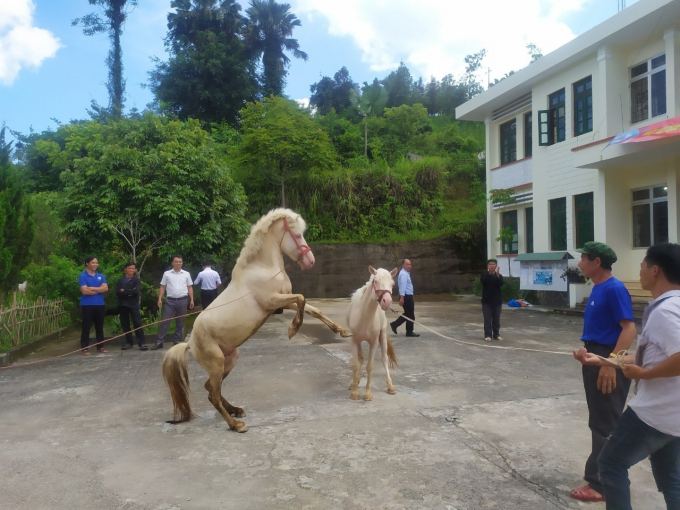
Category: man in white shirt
[179,288]
[208,279]
[405,300]
[650,427]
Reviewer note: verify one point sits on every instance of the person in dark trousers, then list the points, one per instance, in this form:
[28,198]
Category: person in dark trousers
[405,299]
[92,287]
[209,280]
[178,283]
[492,302]
[608,328]
[128,290]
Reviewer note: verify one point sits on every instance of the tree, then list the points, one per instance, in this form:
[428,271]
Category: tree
[399,86]
[280,141]
[333,93]
[210,74]
[149,186]
[115,14]
[16,223]
[534,52]
[474,64]
[268,34]
[370,103]
[407,120]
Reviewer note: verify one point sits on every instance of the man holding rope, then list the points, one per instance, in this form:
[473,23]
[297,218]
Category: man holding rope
[608,328]
[650,427]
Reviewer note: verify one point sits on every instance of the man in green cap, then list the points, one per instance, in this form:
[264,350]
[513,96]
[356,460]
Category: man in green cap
[492,302]
[608,328]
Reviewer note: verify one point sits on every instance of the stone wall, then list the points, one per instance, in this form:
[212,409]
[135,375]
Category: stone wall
[439,266]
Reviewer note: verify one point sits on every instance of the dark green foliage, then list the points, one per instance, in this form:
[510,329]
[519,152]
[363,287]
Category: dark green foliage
[333,93]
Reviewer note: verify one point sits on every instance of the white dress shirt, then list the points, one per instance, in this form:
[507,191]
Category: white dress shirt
[176,284]
[209,279]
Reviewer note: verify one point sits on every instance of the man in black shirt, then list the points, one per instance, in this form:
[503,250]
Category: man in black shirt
[128,290]
[492,302]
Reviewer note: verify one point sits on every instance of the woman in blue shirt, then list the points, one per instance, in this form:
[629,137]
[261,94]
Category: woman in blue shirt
[92,287]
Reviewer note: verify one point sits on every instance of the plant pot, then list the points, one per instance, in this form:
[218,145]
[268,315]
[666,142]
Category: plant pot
[575,278]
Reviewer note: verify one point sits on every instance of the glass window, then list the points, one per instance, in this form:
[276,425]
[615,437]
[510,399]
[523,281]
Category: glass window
[556,102]
[650,216]
[509,220]
[558,224]
[585,219]
[583,106]
[648,89]
[508,142]
[530,229]
[528,134]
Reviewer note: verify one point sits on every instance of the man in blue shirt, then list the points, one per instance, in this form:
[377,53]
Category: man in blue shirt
[405,299]
[608,328]
[92,288]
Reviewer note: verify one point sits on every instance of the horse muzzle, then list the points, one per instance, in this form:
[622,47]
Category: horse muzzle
[306,261]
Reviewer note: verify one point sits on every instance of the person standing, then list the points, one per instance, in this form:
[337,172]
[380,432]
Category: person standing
[178,283]
[492,302]
[608,328]
[208,279]
[405,299]
[92,288]
[650,426]
[128,290]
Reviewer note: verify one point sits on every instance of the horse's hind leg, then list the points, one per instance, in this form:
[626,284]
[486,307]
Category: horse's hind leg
[357,360]
[229,364]
[214,363]
[369,370]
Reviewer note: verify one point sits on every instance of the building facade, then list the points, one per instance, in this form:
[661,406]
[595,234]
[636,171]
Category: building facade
[549,134]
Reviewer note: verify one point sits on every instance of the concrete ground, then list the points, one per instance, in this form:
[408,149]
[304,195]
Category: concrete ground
[469,428]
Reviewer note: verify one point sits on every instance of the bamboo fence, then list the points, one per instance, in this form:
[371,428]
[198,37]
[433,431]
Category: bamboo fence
[26,320]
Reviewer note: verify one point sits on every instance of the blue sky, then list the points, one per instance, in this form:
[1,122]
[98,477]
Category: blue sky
[50,70]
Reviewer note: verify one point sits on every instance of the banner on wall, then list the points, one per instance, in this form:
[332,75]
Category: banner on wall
[663,129]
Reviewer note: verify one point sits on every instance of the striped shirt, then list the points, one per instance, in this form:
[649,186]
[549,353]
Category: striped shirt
[208,279]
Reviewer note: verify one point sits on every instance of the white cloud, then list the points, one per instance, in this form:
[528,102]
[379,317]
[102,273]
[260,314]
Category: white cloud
[21,44]
[433,37]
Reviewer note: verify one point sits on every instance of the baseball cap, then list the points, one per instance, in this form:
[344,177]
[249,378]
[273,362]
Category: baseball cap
[595,249]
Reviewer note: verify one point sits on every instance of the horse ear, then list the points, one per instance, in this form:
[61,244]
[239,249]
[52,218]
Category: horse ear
[394,271]
[371,270]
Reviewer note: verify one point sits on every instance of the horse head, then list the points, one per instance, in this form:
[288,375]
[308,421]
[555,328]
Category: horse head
[381,285]
[293,242]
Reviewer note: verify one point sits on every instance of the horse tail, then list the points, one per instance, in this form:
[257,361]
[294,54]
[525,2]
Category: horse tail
[177,378]
[390,354]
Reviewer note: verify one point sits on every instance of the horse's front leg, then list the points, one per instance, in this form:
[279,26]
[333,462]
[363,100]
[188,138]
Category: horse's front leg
[282,301]
[369,370]
[356,370]
[383,350]
[318,314]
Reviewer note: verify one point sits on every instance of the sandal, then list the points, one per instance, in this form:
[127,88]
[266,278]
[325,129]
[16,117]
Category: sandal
[103,351]
[586,495]
[85,353]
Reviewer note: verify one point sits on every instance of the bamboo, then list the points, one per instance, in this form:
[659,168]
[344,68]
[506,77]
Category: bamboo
[25,320]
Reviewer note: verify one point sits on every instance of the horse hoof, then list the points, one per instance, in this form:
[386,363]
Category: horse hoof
[391,391]
[354,395]
[368,397]
[240,427]
[345,334]
[292,331]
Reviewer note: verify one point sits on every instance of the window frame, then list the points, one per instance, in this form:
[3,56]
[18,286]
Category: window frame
[650,201]
[555,118]
[587,110]
[578,209]
[507,249]
[648,77]
[528,134]
[507,140]
[563,225]
[529,229]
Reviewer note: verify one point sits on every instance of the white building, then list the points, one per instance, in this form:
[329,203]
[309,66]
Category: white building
[548,130]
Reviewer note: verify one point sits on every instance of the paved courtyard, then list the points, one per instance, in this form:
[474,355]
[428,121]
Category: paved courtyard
[469,428]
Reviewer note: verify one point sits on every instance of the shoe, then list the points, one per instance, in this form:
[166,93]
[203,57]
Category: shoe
[500,338]
[157,346]
[488,339]
[126,347]
[584,494]
[412,334]
[143,348]
[393,328]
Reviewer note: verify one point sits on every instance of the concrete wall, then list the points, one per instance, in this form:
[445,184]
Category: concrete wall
[439,265]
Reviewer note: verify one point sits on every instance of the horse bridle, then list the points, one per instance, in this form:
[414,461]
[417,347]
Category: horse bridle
[302,248]
[380,292]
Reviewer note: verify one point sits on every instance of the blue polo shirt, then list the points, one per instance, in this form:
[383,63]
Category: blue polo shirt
[609,303]
[88,280]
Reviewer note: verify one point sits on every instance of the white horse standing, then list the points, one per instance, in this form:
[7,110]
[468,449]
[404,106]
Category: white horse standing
[367,322]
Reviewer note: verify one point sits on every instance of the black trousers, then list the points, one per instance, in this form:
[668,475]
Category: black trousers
[492,320]
[127,312]
[409,311]
[92,314]
[207,297]
[603,410]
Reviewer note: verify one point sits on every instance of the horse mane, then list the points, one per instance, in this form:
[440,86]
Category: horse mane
[259,230]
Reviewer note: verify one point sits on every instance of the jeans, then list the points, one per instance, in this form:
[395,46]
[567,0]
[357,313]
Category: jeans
[92,314]
[492,320]
[632,441]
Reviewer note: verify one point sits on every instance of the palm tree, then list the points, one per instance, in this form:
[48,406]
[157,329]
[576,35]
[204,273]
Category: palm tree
[370,103]
[268,33]
[195,16]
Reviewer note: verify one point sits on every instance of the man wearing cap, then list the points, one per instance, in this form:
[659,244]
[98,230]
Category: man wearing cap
[492,302]
[608,328]
[208,279]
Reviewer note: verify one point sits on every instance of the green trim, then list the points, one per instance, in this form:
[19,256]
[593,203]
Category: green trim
[547,256]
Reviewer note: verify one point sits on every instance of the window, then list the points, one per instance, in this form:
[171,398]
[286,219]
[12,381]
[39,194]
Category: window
[558,224]
[648,88]
[552,122]
[650,216]
[583,106]
[508,142]
[527,135]
[530,229]
[509,220]
[585,220]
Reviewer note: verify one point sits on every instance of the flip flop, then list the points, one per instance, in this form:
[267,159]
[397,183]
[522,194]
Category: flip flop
[584,494]
[103,351]
[85,353]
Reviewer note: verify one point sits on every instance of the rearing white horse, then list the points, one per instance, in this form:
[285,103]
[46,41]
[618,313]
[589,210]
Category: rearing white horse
[367,322]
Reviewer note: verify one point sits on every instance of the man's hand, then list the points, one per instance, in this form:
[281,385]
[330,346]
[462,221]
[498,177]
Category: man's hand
[498,270]
[401,300]
[606,381]
[160,303]
[587,358]
[191,305]
[632,371]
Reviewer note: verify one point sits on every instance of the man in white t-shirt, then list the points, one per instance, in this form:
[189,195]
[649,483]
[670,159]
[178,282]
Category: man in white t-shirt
[180,292]
[650,427]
